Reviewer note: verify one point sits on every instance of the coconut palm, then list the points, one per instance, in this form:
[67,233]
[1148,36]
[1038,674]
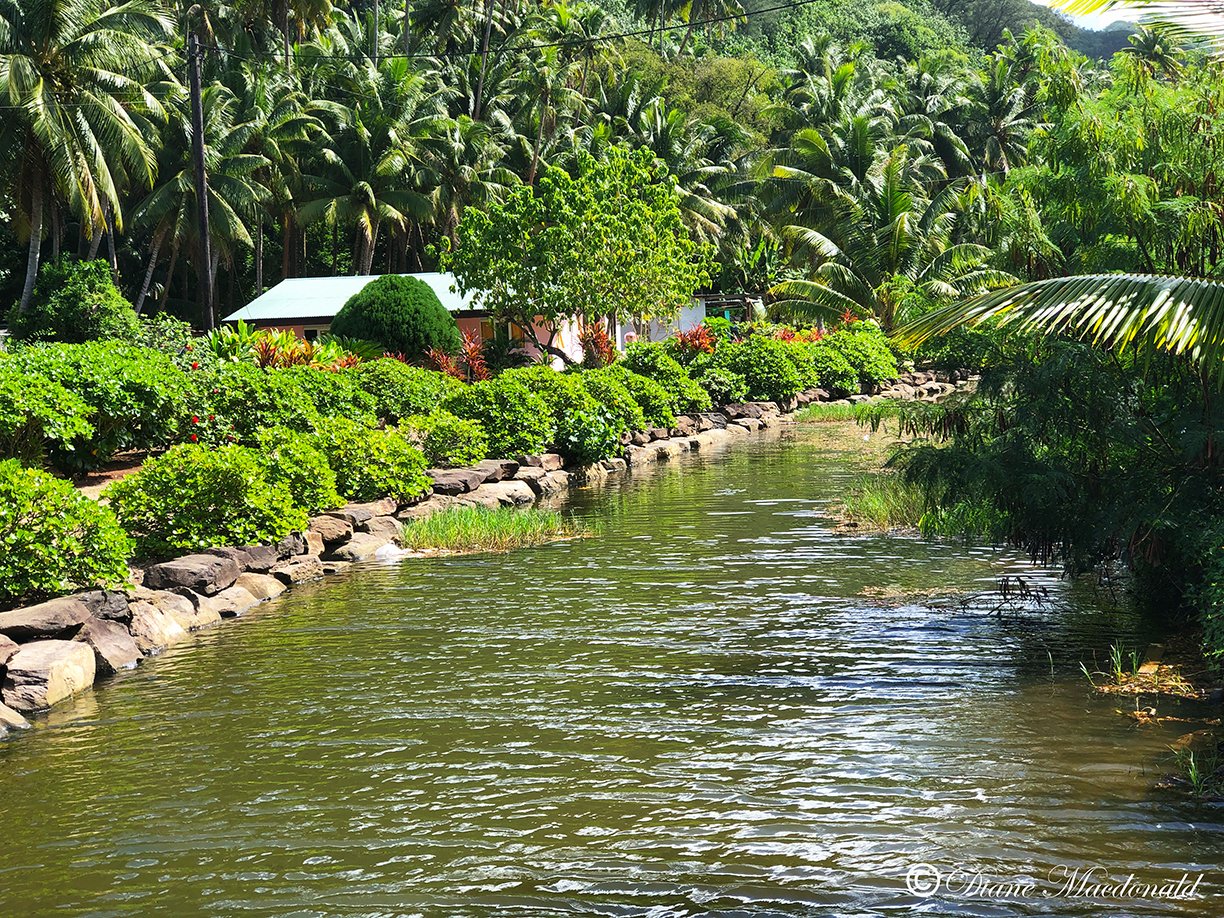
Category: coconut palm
[80,81]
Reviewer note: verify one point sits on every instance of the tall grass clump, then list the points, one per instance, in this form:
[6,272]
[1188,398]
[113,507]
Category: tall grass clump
[466,529]
[884,501]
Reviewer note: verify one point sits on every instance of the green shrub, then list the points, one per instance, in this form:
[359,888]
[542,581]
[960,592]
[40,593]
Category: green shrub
[195,497]
[36,414]
[53,539]
[516,419]
[173,337]
[371,463]
[722,385]
[75,301]
[292,459]
[719,326]
[653,362]
[766,365]
[960,349]
[447,441]
[402,314]
[585,431]
[833,370]
[655,402]
[139,397]
[335,393]
[800,355]
[400,390]
[246,400]
[608,387]
[865,347]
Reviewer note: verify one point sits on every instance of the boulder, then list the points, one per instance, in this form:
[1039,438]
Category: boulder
[532,474]
[108,604]
[484,496]
[616,464]
[717,419]
[736,430]
[747,423]
[357,514]
[290,546]
[638,455]
[659,433]
[314,544]
[704,422]
[553,483]
[455,481]
[43,673]
[185,610]
[497,469]
[61,618]
[361,546]
[426,508]
[511,493]
[202,573]
[153,629]
[229,603]
[739,410]
[549,462]
[8,647]
[308,567]
[261,558]
[788,404]
[332,528]
[640,438]
[386,526]
[335,567]
[11,720]
[113,647]
[822,395]
[261,586]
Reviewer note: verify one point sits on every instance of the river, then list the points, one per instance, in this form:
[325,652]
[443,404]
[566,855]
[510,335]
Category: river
[716,706]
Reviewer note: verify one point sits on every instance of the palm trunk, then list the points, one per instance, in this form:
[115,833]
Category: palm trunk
[407,26]
[148,278]
[259,256]
[108,214]
[174,252]
[36,214]
[95,243]
[56,231]
[288,60]
[539,140]
[286,241]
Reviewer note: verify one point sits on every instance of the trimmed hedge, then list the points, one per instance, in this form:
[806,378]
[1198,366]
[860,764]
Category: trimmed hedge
[447,441]
[293,460]
[37,414]
[653,362]
[833,370]
[400,391]
[370,463]
[766,364]
[516,419]
[402,314]
[865,347]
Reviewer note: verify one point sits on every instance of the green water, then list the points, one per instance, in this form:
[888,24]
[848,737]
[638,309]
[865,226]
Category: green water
[705,710]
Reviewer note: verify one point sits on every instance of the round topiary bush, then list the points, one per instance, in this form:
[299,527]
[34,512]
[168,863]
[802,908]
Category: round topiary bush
[400,391]
[516,419]
[723,386]
[53,539]
[193,497]
[654,401]
[447,441]
[402,314]
[75,301]
[371,463]
[608,388]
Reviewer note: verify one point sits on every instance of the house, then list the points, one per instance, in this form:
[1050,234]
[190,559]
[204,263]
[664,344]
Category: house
[307,305]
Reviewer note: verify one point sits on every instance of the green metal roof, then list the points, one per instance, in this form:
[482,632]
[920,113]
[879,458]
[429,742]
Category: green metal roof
[321,297]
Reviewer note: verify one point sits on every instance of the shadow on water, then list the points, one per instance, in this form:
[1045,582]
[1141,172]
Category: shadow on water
[719,706]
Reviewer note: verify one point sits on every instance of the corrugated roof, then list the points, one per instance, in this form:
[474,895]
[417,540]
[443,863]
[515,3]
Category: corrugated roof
[322,297]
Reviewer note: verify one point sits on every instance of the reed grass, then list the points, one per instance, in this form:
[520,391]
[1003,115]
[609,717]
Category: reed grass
[470,529]
[826,412]
[883,501]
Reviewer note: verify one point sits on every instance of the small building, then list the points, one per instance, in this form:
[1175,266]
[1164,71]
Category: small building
[307,305]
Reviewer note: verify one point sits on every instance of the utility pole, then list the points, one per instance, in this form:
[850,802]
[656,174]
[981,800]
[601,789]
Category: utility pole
[204,268]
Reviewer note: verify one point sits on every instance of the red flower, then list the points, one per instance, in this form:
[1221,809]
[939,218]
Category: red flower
[195,364]
[212,417]
[195,439]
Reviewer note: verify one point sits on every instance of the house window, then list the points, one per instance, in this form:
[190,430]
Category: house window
[486,330]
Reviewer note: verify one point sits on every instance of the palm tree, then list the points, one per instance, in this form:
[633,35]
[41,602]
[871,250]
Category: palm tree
[78,79]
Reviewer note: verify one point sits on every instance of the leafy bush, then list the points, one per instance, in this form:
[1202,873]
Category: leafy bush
[246,400]
[139,397]
[865,347]
[723,386]
[652,361]
[800,355]
[371,463]
[403,314]
[35,413]
[719,326]
[291,459]
[655,402]
[833,370]
[960,349]
[195,497]
[448,441]
[335,393]
[766,366]
[75,301]
[608,387]
[400,390]
[585,431]
[173,337]
[53,539]
[516,419]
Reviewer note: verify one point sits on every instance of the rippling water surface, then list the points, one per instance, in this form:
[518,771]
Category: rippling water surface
[706,710]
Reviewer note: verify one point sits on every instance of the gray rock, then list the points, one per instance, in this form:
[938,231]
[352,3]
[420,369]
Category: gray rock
[638,455]
[553,482]
[532,474]
[8,647]
[616,464]
[659,433]
[640,438]
[455,481]
[108,604]
[229,603]
[361,546]
[426,508]
[154,629]
[290,546]
[10,720]
[315,544]
[202,573]
[357,514]
[387,527]
[308,567]
[335,567]
[261,558]
[511,493]
[185,609]
[61,618]
[484,496]
[43,673]
[113,647]
[549,462]
[261,586]
[497,469]
[332,527]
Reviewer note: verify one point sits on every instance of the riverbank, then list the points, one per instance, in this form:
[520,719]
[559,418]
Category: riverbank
[57,649]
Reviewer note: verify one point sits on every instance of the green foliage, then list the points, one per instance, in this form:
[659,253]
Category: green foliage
[292,460]
[174,338]
[447,441]
[834,372]
[516,419]
[724,386]
[656,403]
[884,501]
[653,362]
[247,400]
[585,431]
[400,390]
[609,238]
[720,327]
[36,414]
[335,393]
[138,396]
[193,497]
[608,388]
[766,365]
[75,301]
[371,463]
[866,349]
[53,539]
[469,529]
[403,314]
